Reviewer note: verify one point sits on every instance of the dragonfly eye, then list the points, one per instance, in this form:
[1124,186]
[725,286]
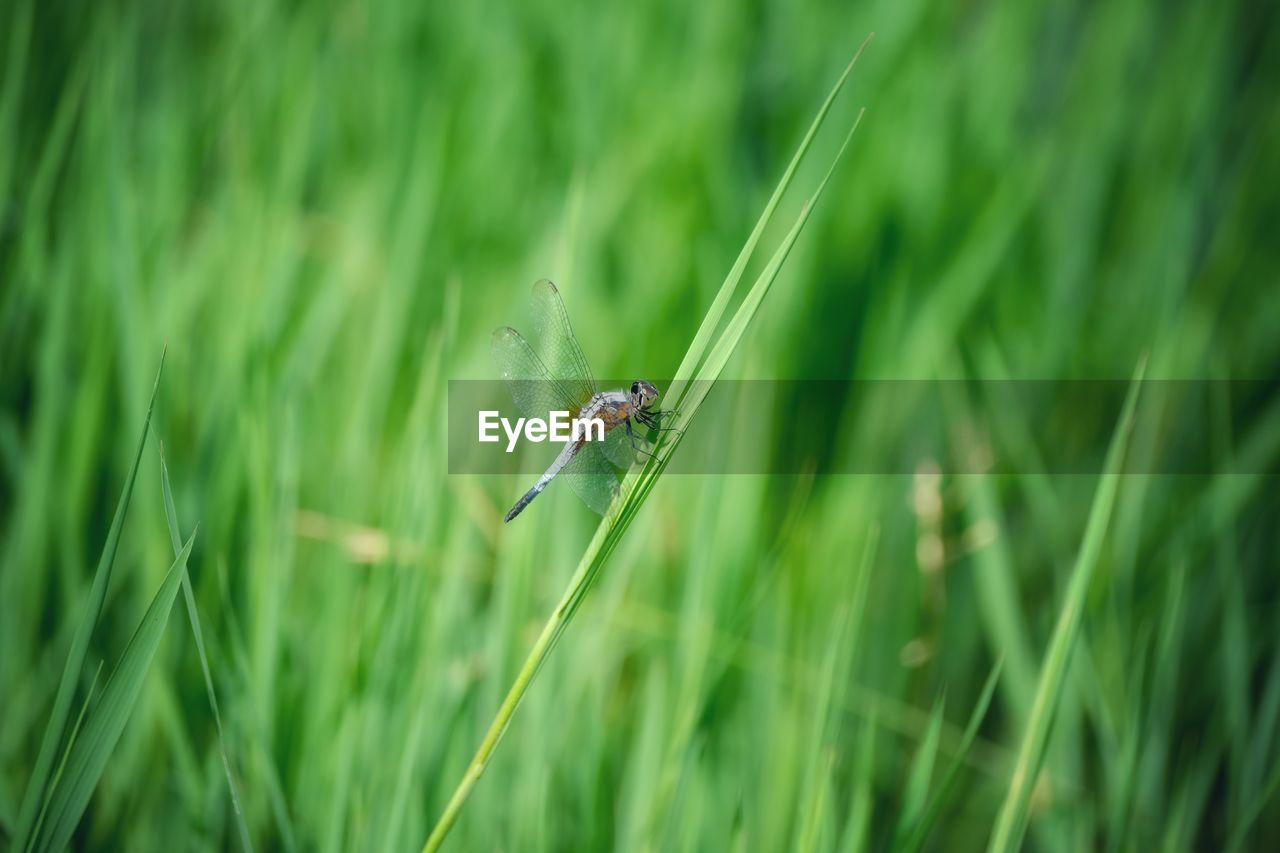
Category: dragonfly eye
[643,394]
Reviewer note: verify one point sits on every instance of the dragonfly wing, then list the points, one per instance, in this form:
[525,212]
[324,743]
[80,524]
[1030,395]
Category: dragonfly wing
[534,387]
[591,476]
[558,346]
[617,447]
[555,377]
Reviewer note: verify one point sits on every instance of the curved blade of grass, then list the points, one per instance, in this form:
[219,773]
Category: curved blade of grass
[920,831]
[71,739]
[812,831]
[89,754]
[636,485]
[175,537]
[862,795]
[711,320]
[1012,821]
[913,798]
[34,799]
[831,694]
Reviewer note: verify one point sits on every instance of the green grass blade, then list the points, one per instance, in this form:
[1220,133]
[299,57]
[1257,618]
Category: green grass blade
[1012,821]
[193,616]
[711,320]
[822,750]
[636,486]
[920,831]
[728,342]
[1268,794]
[71,739]
[862,799]
[91,751]
[913,799]
[812,831]
[34,799]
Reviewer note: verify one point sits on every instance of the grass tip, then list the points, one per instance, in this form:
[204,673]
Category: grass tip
[1141,369]
[866,41]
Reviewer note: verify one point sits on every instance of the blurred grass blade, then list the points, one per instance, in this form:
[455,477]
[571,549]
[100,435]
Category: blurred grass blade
[636,486]
[1012,821]
[1265,797]
[917,790]
[818,809]
[831,694]
[35,797]
[175,537]
[89,754]
[920,831]
[862,800]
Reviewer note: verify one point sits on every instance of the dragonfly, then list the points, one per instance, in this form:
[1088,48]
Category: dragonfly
[555,378]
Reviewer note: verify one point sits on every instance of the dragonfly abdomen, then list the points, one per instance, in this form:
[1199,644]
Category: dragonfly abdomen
[547,476]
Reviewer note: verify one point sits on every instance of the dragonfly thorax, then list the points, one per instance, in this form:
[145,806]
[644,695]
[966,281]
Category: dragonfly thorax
[612,407]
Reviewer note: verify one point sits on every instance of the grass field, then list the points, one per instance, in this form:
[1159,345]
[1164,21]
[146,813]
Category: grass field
[323,210]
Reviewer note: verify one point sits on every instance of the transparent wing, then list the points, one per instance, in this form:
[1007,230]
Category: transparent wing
[534,388]
[555,377]
[591,476]
[617,447]
[557,345]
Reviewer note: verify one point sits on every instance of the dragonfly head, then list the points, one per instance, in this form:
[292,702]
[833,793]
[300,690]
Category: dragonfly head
[643,394]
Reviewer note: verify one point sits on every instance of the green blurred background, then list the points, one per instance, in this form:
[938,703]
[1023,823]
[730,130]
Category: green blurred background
[324,209]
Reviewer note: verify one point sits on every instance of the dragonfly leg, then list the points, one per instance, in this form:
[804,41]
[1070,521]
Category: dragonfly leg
[653,420]
[637,442]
